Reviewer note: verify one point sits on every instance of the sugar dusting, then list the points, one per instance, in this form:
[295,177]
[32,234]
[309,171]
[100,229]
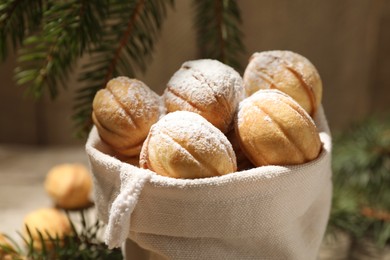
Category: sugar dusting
[276,96]
[194,133]
[124,111]
[271,60]
[268,119]
[265,67]
[136,99]
[205,82]
[194,128]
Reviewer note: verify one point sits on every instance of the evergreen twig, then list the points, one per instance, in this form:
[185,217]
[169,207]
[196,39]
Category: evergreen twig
[118,37]
[82,244]
[128,40]
[361,166]
[218,30]
[68,28]
[18,18]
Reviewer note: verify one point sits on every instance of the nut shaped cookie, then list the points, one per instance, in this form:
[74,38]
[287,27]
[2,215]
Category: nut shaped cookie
[183,144]
[123,113]
[274,130]
[288,72]
[49,222]
[207,87]
[69,185]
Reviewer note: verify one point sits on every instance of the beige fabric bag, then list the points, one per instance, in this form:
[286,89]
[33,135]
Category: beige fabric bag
[271,212]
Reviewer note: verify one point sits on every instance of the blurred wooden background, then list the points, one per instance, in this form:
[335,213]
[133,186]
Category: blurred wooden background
[348,41]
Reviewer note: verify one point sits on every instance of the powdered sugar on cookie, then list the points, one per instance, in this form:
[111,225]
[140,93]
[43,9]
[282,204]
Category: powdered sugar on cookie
[185,144]
[207,87]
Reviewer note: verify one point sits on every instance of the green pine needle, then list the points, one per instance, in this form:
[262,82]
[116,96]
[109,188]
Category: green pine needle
[48,55]
[128,40]
[118,36]
[218,30]
[361,176]
[83,243]
[18,18]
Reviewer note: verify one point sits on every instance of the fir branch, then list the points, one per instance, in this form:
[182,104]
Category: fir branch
[18,18]
[218,30]
[9,249]
[84,242]
[137,10]
[129,36]
[66,25]
[118,35]
[361,166]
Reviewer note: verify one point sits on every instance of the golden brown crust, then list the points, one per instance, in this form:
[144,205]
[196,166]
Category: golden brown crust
[288,72]
[274,130]
[69,185]
[47,221]
[123,113]
[185,145]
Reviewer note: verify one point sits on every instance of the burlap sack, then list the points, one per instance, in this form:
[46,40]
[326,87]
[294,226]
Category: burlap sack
[271,212]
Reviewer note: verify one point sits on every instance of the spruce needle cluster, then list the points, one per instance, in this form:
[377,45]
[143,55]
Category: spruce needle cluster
[115,37]
[361,172]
